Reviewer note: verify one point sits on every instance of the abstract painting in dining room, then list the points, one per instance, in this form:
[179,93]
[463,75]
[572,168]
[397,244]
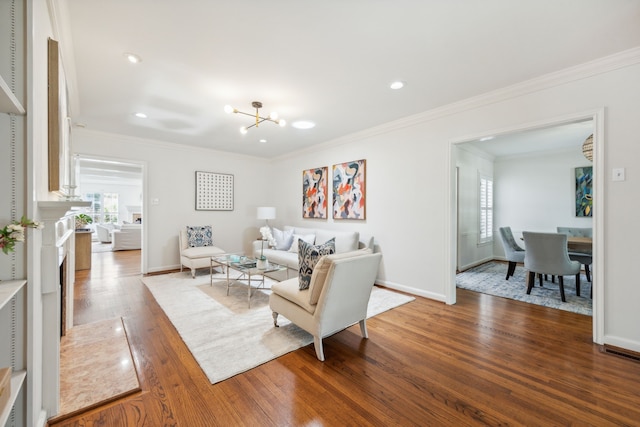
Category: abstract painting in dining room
[349,193]
[314,192]
[584,190]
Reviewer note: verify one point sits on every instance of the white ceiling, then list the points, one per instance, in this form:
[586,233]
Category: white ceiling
[328,61]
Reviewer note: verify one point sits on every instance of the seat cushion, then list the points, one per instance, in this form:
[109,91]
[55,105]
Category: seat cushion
[199,235]
[202,252]
[308,256]
[290,291]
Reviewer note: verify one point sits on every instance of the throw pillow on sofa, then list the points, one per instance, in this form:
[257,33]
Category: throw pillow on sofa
[199,235]
[308,256]
[307,238]
[283,239]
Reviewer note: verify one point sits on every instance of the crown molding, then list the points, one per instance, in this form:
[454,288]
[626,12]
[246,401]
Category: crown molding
[602,65]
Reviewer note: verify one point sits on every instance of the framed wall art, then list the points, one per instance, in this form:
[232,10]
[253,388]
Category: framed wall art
[214,191]
[314,193]
[584,191]
[349,190]
[59,129]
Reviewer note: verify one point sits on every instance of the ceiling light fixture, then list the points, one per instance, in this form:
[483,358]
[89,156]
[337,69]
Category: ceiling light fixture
[141,115]
[132,57]
[303,124]
[397,85]
[587,148]
[273,117]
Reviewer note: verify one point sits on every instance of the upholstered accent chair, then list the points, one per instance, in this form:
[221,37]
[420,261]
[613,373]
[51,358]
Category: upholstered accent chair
[194,257]
[337,297]
[512,251]
[585,258]
[546,253]
[103,231]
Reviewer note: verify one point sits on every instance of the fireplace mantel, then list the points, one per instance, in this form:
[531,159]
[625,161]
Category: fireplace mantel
[57,243]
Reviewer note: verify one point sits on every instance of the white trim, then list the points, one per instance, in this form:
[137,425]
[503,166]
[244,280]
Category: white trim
[412,291]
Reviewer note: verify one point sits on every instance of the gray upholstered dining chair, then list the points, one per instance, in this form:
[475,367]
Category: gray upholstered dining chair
[584,258]
[512,251]
[546,253]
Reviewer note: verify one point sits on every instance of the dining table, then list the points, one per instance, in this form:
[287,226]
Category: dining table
[579,244]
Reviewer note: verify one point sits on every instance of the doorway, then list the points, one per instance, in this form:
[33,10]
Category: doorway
[514,140]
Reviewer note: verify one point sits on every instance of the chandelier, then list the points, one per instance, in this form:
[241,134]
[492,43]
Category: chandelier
[587,147]
[273,116]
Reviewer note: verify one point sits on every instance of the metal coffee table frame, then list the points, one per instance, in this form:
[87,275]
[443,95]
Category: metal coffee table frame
[248,272]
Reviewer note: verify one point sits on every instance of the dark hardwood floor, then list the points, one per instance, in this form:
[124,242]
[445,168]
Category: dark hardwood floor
[483,361]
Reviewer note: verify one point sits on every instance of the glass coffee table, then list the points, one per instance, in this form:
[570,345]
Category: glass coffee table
[248,272]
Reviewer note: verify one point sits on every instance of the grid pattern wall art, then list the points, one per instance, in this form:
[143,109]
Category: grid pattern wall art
[214,191]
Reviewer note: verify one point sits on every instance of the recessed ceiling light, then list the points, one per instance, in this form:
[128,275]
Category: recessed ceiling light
[486,138]
[263,140]
[132,57]
[141,115]
[303,124]
[397,85]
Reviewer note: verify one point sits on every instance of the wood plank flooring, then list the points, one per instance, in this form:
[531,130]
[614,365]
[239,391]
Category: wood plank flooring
[483,361]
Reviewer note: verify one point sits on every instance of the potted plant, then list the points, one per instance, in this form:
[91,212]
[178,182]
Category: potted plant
[82,220]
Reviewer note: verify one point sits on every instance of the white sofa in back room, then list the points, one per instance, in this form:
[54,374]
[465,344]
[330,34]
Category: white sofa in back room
[128,237]
[285,254]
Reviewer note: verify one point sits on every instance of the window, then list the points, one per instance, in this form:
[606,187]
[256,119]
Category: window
[104,207]
[486,209]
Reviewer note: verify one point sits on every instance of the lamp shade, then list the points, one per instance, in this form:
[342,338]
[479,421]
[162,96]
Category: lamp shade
[266,213]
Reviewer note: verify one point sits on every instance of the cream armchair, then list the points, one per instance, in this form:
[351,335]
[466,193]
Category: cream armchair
[337,298]
[195,257]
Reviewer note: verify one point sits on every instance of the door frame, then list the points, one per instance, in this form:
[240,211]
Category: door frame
[598,116]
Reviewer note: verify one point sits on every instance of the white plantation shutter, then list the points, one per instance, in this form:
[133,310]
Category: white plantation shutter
[486,209]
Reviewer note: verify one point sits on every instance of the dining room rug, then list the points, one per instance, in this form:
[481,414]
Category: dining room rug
[225,336]
[489,278]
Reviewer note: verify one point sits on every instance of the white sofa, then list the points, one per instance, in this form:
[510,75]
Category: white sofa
[128,237]
[337,297]
[346,241]
[195,257]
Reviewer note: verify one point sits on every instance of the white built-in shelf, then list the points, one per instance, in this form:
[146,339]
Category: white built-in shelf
[8,101]
[8,288]
[17,379]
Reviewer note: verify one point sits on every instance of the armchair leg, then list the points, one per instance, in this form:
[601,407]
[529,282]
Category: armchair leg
[363,328]
[578,284]
[275,319]
[317,343]
[193,273]
[587,272]
[561,284]
[531,278]
[511,269]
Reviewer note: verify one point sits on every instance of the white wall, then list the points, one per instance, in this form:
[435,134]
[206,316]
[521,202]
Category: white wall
[537,192]
[409,181]
[170,178]
[470,166]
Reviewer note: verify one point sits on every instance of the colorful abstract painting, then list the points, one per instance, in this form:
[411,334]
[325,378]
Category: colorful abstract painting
[349,190]
[584,190]
[314,193]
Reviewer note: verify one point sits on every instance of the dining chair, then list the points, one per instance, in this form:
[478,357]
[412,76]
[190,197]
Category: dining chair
[512,251]
[546,253]
[584,258]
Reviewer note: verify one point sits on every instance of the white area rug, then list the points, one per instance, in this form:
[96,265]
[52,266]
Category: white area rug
[223,334]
